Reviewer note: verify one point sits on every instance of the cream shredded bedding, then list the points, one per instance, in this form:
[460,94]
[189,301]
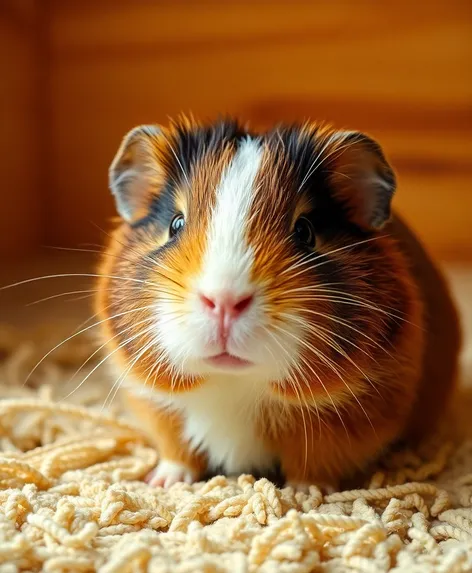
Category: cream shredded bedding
[72,497]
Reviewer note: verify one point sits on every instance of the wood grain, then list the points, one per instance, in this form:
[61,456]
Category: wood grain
[399,70]
[20,223]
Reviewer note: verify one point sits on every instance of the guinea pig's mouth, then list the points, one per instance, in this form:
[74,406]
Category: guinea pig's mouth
[227,361]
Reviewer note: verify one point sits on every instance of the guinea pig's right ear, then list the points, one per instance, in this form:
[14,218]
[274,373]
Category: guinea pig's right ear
[361,177]
[134,172]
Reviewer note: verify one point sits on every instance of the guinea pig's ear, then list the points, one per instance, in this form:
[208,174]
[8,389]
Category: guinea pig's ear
[361,178]
[134,172]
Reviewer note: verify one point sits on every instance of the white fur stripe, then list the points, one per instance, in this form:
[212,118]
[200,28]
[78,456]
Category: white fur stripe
[228,258]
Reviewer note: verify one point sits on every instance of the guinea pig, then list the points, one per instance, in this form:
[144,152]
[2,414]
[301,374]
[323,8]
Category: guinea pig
[263,306]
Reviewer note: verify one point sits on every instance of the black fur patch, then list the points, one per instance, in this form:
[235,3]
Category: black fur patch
[192,145]
[303,151]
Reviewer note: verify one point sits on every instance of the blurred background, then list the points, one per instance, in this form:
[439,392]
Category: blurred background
[77,74]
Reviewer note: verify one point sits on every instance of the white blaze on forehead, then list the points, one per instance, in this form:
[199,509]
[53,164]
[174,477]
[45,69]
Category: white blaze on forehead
[228,258]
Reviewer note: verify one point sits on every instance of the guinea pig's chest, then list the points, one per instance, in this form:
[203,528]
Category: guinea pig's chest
[222,418]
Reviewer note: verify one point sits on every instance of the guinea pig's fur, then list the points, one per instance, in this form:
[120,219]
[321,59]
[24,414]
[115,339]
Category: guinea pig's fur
[343,332]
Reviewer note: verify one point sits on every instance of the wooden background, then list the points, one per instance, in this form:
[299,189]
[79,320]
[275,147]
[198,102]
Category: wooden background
[77,74]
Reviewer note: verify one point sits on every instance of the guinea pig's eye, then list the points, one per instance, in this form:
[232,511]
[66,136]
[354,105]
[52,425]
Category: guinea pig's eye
[304,232]
[177,224]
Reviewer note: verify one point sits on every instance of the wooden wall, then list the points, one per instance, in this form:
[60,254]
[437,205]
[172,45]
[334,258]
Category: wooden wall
[400,70]
[20,123]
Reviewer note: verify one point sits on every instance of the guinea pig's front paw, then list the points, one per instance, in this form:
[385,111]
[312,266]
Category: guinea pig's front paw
[167,472]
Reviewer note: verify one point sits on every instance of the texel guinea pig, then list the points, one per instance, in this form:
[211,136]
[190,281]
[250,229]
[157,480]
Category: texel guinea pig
[263,307]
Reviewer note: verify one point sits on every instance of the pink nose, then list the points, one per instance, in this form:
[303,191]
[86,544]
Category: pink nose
[226,308]
[226,303]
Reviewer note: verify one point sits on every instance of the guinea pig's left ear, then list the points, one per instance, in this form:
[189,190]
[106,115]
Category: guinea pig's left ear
[361,178]
[134,172]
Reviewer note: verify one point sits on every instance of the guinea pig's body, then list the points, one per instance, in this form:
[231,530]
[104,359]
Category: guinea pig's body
[262,307]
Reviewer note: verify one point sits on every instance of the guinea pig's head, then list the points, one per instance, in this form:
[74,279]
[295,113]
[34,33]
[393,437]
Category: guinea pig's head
[242,253]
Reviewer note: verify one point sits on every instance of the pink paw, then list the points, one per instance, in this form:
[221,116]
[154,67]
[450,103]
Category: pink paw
[167,472]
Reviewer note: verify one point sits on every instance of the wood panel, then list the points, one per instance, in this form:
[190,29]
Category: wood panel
[398,70]
[20,69]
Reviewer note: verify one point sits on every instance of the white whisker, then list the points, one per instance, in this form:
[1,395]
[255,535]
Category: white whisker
[81,332]
[310,367]
[133,326]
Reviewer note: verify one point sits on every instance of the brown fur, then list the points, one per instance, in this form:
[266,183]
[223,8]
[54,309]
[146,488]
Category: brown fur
[165,430]
[389,377]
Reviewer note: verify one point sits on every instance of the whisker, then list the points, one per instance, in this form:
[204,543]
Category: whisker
[102,252]
[314,256]
[61,294]
[348,325]
[98,350]
[134,251]
[333,345]
[326,360]
[300,395]
[300,261]
[309,366]
[114,351]
[152,369]
[347,301]
[313,328]
[118,301]
[136,356]
[332,252]
[120,257]
[69,275]
[174,318]
[81,332]
[331,365]
[322,290]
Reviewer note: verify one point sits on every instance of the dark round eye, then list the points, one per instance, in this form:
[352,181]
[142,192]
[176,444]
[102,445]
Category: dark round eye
[177,224]
[304,232]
